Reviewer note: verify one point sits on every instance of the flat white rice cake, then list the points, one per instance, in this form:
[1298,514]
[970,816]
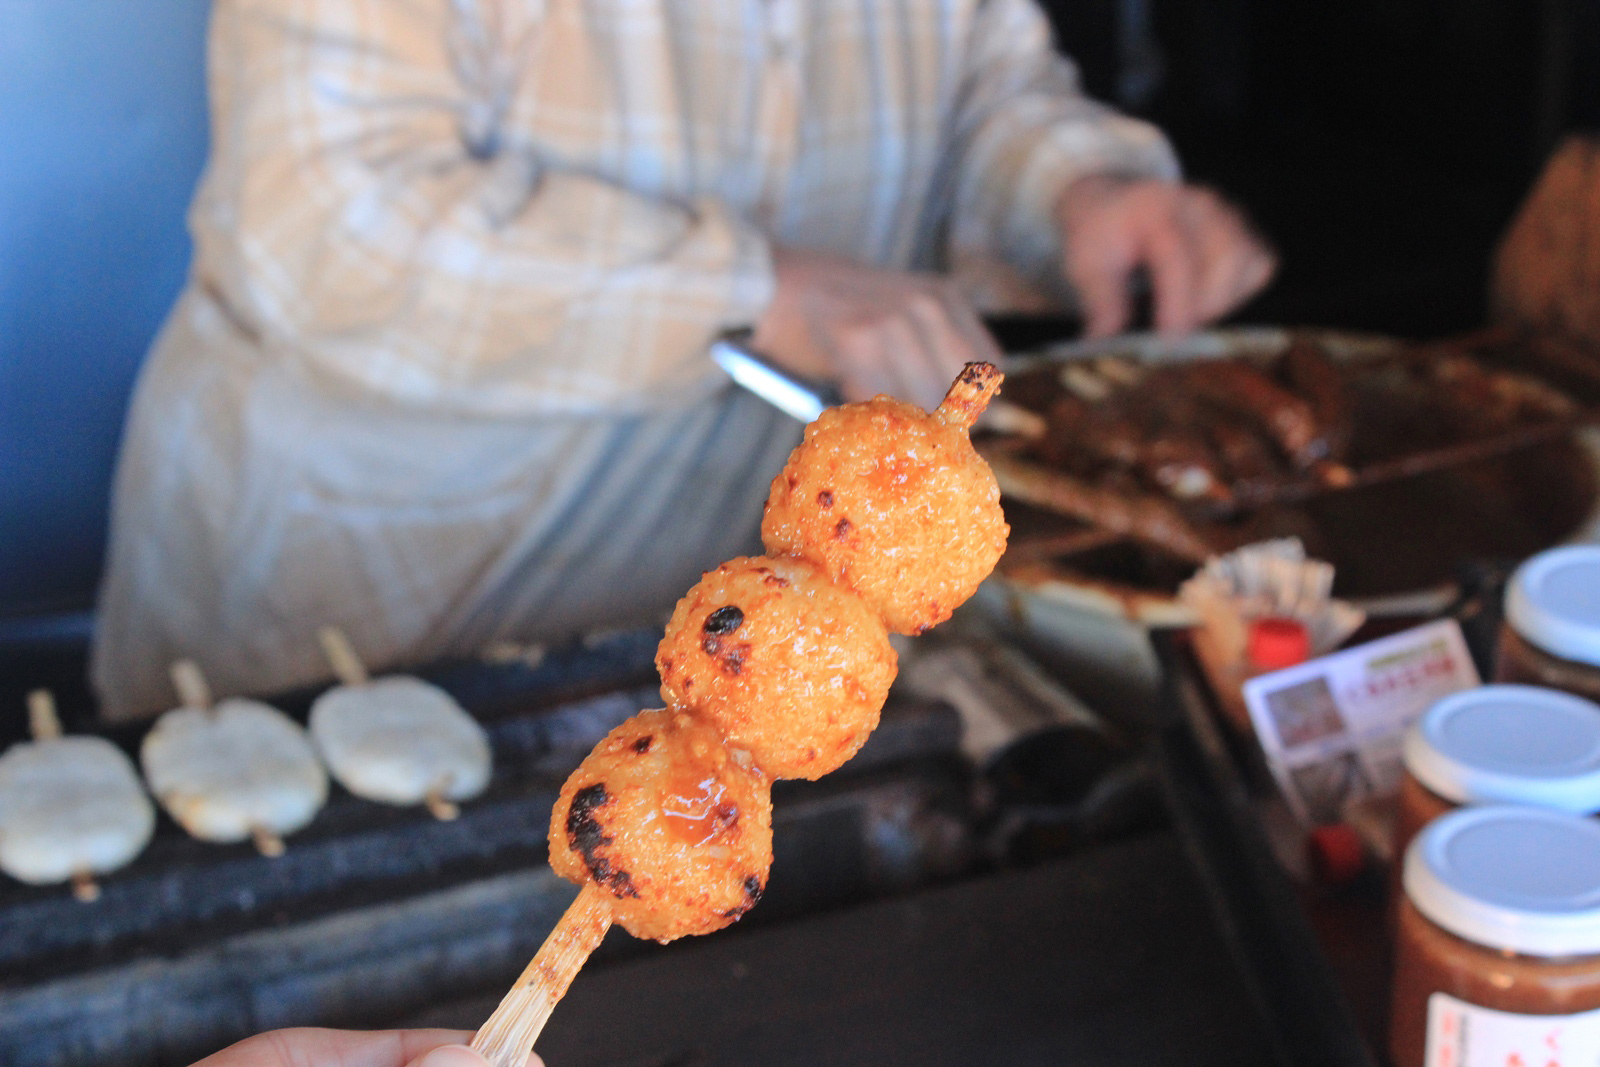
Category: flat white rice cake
[70,806]
[399,740]
[229,772]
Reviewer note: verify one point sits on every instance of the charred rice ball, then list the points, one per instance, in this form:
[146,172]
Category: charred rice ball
[665,819]
[894,503]
[787,664]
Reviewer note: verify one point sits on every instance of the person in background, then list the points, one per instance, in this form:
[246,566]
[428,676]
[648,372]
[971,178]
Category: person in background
[439,375]
[312,1047]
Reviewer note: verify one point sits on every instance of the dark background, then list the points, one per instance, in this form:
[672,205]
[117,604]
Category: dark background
[1382,145]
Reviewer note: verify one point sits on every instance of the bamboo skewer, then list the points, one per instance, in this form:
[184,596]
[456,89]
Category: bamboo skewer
[195,692]
[350,671]
[507,1037]
[190,682]
[84,887]
[267,843]
[347,666]
[439,807]
[45,725]
[1150,519]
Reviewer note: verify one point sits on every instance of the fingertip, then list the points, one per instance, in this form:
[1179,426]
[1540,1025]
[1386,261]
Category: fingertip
[452,1056]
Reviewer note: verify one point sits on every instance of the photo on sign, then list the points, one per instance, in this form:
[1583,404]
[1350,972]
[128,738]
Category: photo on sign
[1305,712]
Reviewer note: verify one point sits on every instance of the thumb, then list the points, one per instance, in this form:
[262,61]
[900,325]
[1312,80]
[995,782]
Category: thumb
[450,1056]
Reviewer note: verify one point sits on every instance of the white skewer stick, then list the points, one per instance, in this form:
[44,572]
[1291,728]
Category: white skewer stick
[510,1032]
[347,666]
[195,692]
[43,722]
[351,672]
[439,807]
[267,843]
[190,682]
[84,888]
[45,725]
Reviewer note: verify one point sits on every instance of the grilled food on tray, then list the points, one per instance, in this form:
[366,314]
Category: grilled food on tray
[884,519]
[1169,454]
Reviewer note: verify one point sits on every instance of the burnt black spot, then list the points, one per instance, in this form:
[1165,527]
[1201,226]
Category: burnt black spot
[731,658]
[825,499]
[777,580]
[584,831]
[842,529]
[973,373]
[752,897]
[643,744]
[724,620]
[586,836]
[666,664]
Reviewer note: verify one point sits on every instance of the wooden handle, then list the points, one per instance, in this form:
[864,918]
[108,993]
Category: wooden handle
[506,1039]
[42,720]
[187,679]
[347,666]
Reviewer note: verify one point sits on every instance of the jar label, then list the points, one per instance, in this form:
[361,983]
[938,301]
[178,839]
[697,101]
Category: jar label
[1465,1035]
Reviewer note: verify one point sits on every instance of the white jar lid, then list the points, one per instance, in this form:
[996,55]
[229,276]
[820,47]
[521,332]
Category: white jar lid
[1523,880]
[1510,744]
[1553,601]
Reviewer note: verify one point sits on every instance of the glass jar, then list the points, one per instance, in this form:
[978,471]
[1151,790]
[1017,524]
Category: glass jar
[1497,952]
[1551,635]
[1499,744]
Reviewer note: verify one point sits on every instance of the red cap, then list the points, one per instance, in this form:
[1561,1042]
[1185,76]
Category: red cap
[1336,853]
[1275,643]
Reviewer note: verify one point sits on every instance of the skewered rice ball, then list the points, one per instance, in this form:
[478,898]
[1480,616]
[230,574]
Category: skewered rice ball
[784,662]
[70,806]
[664,818]
[895,503]
[226,772]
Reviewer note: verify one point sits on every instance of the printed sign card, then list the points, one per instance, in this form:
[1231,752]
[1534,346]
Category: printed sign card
[1332,727]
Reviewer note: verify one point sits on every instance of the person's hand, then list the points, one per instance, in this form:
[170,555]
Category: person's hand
[311,1047]
[874,331]
[1201,255]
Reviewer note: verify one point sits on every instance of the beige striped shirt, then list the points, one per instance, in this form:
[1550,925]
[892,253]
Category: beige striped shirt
[440,373]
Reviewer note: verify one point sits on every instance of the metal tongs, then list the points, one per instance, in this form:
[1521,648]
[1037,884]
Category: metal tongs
[800,398]
[806,398]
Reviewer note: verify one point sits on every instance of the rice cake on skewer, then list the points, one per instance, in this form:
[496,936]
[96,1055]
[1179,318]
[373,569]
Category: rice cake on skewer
[239,770]
[71,808]
[883,519]
[397,739]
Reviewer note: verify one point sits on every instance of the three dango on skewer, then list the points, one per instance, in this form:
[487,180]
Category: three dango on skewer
[884,519]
